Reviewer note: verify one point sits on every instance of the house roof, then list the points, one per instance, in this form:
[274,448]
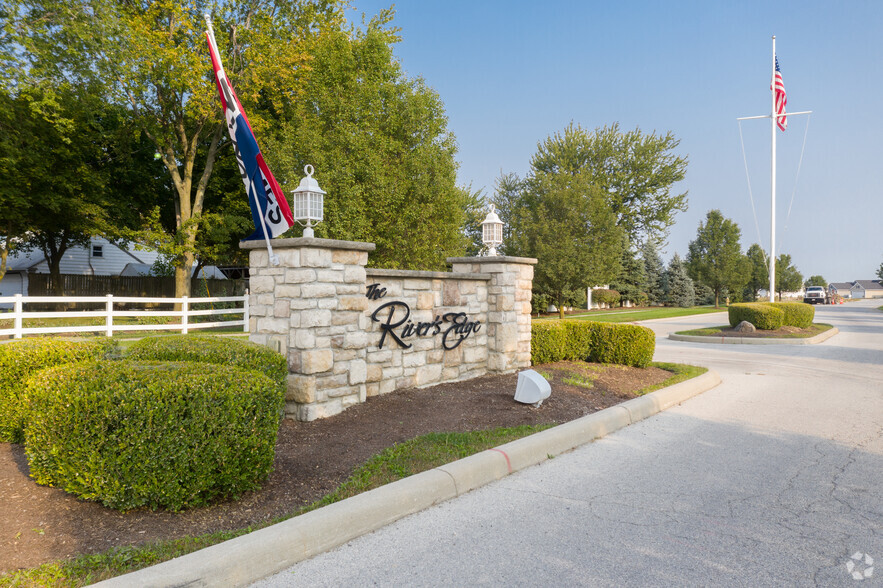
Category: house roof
[840,285]
[868,284]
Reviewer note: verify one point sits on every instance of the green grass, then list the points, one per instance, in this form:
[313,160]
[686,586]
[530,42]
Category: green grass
[628,315]
[814,329]
[579,380]
[680,372]
[397,462]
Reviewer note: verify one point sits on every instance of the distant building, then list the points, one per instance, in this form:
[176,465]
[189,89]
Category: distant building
[842,289]
[867,289]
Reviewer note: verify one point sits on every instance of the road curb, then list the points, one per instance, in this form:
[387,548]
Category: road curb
[246,559]
[753,341]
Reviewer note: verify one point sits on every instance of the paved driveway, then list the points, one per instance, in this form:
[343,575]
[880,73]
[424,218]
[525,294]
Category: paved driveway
[775,477]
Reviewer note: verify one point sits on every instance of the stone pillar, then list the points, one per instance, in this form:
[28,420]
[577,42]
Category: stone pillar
[311,309]
[508,318]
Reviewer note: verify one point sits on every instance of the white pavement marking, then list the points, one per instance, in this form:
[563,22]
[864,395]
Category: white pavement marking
[774,477]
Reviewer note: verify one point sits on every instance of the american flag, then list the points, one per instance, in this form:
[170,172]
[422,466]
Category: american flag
[781,99]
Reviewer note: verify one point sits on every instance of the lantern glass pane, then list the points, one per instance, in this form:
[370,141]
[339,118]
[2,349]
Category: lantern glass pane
[498,233]
[486,233]
[316,204]
[301,210]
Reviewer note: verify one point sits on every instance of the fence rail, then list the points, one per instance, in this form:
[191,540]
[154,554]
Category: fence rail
[19,315]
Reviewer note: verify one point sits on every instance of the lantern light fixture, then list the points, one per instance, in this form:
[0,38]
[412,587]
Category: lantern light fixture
[309,202]
[492,231]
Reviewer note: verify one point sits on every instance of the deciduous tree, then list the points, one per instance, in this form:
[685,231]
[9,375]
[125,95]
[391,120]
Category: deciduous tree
[816,281]
[715,256]
[788,278]
[636,171]
[758,272]
[151,57]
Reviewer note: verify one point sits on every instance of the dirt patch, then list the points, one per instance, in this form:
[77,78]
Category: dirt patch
[39,524]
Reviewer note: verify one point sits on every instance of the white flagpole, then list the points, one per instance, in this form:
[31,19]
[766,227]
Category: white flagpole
[773,121]
[274,259]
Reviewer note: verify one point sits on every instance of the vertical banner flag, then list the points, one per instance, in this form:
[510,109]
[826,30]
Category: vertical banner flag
[781,99]
[269,209]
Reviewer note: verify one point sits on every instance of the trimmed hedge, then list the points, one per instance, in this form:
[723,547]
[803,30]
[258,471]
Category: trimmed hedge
[158,434]
[769,316]
[217,350]
[763,316]
[797,314]
[589,341]
[19,360]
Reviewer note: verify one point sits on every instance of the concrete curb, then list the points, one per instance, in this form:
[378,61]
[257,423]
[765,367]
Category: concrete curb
[246,559]
[752,341]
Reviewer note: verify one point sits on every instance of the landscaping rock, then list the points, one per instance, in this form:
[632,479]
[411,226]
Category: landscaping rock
[745,327]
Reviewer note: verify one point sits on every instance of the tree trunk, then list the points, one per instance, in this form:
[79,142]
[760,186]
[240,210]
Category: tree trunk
[561,308]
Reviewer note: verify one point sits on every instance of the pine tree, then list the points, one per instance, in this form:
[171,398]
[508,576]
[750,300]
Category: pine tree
[654,271]
[678,285]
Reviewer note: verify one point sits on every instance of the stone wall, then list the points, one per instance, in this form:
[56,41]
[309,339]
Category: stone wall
[351,332]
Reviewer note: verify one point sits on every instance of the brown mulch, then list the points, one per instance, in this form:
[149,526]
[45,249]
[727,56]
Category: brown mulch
[39,524]
[785,332]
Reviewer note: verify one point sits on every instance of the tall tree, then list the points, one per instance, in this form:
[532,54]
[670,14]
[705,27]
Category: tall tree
[65,154]
[758,272]
[636,171]
[568,225]
[653,271]
[788,278]
[816,281]
[679,289]
[715,256]
[152,58]
[381,148]
[880,271]
[631,283]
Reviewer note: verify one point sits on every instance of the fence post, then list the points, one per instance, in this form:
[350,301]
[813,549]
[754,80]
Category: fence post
[245,316]
[184,309]
[17,311]
[108,320]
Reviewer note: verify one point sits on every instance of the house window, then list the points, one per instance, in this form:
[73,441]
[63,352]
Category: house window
[97,251]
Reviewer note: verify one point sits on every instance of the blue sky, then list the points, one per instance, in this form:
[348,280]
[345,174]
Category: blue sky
[511,73]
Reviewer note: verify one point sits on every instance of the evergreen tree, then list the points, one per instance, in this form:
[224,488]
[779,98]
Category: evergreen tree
[632,281]
[653,272]
[678,285]
[759,272]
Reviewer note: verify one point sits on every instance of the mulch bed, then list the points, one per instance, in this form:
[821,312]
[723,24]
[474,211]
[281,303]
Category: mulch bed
[780,333]
[39,524]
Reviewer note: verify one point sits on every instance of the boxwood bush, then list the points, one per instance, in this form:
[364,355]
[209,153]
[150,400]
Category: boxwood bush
[588,341]
[761,315]
[157,434]
[21,359]
[219,350]
[797,314]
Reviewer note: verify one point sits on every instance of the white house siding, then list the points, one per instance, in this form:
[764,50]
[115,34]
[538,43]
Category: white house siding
[79,260]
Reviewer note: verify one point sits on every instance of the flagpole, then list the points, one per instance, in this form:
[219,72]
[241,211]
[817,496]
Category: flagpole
[273,258]
[773,121]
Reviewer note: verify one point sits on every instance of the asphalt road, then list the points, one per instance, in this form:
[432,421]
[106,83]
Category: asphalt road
[773,478]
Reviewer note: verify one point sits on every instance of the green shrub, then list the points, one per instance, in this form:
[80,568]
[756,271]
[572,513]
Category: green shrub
[219,350]
[588,341]
[760,314]
[622,344]
[608,297]
[797,314]
[21,359]
[158,434]
[547,342]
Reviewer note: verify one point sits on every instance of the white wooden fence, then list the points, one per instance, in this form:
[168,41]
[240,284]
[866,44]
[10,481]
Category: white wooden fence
[19,315]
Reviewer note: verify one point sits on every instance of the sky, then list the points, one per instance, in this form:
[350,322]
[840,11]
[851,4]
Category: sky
[511,73]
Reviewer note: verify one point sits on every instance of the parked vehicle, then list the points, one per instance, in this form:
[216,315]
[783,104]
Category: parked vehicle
[816,295]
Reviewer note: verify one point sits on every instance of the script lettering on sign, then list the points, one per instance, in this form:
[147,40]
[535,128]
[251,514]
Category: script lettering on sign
[395,321]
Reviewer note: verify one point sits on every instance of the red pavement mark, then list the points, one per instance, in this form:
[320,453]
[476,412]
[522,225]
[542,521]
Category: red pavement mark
[508,463]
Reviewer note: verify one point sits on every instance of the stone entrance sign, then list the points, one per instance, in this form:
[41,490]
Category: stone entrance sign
[351,332]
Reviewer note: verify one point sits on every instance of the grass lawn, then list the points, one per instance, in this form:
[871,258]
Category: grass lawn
[392,464]
[629,315]
[813,330]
